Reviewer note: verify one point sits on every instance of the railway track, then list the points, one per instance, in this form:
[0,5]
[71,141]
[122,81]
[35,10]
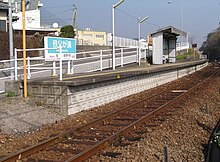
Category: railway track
[81,143]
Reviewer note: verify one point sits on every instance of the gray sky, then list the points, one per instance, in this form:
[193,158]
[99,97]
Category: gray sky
[200,17]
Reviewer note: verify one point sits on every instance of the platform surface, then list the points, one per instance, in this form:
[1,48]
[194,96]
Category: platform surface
[109,74]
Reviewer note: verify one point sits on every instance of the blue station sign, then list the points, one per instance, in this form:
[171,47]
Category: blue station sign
[53,44]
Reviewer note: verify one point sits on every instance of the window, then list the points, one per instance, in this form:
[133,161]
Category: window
[87,35]
[100,36]
[2,25]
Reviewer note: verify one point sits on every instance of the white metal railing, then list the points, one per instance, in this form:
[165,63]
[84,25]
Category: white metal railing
[125,42]
[182,46]
[84,62]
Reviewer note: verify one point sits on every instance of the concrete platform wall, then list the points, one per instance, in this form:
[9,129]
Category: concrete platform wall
[85,97]
[100,93]
[67,99]
[53,96]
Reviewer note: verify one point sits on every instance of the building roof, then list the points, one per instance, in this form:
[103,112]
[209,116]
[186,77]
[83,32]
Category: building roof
[3,6]
[170,30]
[41,29]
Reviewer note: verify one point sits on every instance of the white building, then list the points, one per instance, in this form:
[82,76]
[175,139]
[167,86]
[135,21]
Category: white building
[32,13]
[32,20]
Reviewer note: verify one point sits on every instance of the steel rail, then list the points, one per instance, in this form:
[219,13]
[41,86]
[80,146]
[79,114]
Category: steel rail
[87,153]
[104,143]
[39,146]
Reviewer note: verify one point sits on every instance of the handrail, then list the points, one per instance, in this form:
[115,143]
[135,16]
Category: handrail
[97,60]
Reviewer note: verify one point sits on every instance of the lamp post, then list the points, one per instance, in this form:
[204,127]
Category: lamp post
[113,32]
[139,37]
[11,38]
[181,8]
[187,41]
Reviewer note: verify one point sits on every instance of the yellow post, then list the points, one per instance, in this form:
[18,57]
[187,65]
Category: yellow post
[24,47]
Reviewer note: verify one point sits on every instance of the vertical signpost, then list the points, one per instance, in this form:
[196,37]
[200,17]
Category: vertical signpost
[194,46]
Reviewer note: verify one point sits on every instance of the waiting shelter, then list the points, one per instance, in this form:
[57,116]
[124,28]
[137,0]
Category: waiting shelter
[164,44]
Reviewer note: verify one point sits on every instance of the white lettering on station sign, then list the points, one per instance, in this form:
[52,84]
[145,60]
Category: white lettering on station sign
[53,44]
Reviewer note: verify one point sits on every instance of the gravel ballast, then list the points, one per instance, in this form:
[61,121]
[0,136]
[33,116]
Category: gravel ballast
[185,133]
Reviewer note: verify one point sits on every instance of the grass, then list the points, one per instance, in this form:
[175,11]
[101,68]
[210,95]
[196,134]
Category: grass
[10,94]
[187,55]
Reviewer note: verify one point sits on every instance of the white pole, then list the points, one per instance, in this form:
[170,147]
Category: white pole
[101,64]
[122,59]
[61,67]
[113,32]
[11,45]
[16,64]
[68,70]
[113,38]
[72,67]
[187,40]
[137,54]
[139,39]
[29,68]
[54,68]
[181,12]
[181,5]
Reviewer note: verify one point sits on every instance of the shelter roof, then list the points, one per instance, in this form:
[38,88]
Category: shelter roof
[170,31]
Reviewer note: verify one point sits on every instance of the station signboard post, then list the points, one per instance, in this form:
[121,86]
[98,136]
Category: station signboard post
[54,44]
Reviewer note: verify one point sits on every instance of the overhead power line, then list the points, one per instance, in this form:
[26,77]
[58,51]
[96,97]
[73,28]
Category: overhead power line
[134,17]
[58,6]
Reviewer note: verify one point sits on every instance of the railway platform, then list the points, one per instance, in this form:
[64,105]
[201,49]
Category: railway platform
[87,90]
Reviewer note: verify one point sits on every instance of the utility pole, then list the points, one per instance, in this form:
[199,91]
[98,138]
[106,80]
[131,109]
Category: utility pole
[24,47]
[11,45]
[74,17]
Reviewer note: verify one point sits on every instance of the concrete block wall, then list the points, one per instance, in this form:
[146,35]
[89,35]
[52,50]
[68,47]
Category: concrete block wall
[72,99]
[86,97]
[54,97]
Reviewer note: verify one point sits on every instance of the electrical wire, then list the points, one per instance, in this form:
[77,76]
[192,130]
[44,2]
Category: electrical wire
[134,17]
[58,6]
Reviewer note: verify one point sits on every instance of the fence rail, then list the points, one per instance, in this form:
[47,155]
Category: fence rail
[84,62]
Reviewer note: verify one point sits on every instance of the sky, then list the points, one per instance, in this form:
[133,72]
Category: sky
[196,17]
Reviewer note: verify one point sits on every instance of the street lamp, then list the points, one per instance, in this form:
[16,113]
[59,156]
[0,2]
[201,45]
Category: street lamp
[181,8]
[139,37]
[11,38]
[113,32]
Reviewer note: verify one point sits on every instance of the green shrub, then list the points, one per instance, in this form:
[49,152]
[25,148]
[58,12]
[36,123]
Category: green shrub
[10,94]
[67,31]
[189,54]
